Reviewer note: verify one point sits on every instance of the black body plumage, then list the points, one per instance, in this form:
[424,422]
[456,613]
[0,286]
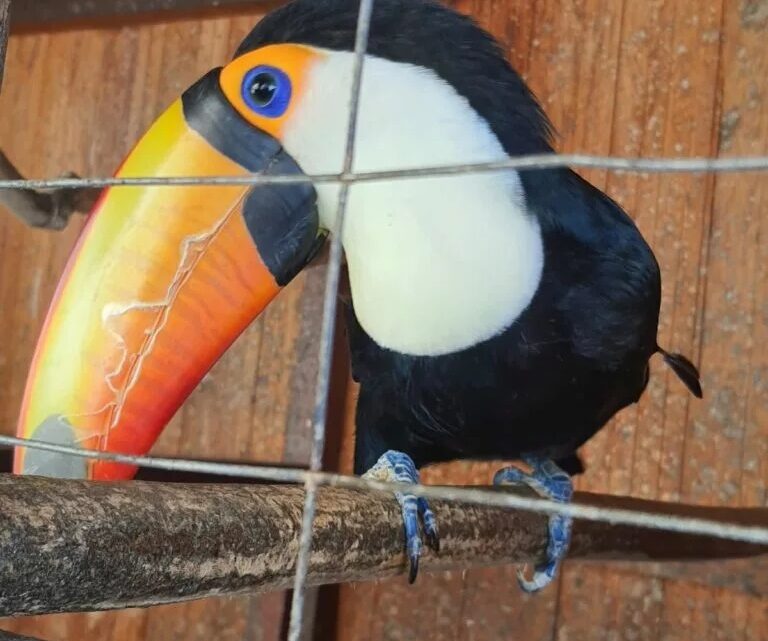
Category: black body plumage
[579,353]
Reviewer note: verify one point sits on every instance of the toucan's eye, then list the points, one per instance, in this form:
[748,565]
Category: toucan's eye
[267,91]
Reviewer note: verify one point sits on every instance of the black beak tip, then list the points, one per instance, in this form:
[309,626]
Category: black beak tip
[414,570]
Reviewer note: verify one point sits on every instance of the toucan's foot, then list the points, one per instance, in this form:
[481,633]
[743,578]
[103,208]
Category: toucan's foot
[548,481]
[398,467]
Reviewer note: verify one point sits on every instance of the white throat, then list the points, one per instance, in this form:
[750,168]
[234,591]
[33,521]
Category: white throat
[436,264]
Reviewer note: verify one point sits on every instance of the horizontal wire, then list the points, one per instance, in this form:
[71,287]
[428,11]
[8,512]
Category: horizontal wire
[484,497]
[536,161]
[313,478]
[614,516]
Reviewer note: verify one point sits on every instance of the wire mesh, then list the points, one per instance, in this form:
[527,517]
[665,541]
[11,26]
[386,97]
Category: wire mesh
[617,516]
[322,388]
[314,477]
[736,164]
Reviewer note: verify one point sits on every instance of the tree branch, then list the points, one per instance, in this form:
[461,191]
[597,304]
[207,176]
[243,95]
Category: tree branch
[10,636]
[40,209]
[78,545]
[749,576]
[5,7]
[37,209]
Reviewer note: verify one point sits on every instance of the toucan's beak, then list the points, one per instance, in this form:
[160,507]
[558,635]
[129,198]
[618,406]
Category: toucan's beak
[161,282]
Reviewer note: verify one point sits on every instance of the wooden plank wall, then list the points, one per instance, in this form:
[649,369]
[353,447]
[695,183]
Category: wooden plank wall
[78,99]
[659,77]
[652,78]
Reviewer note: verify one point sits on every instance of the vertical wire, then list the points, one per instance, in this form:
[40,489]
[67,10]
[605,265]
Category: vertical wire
[330,299]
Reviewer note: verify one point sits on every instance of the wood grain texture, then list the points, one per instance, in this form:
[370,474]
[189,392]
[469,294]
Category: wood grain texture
[77,100]
[749,576]
[44,209]
[5,6]
[80,546]
[56,12]
[662,77]
[10,636]
[658,78]
[665,104]
[735,326]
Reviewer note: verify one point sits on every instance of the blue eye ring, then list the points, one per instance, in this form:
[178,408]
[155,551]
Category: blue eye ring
[267,91]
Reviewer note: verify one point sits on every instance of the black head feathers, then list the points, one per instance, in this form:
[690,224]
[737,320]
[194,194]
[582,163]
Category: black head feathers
[428,34]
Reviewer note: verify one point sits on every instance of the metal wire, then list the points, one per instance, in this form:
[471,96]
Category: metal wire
[616,516]
[737,164]
[314,477]
[330,299]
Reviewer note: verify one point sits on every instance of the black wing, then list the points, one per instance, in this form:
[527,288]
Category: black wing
[601,275]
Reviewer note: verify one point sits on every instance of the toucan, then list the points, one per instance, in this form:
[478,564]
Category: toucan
[493,315]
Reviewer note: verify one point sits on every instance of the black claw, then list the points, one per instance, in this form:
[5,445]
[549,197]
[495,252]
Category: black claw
[414,568]
[433,541]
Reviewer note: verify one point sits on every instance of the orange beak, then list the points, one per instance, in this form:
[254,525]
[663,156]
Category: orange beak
[161,282]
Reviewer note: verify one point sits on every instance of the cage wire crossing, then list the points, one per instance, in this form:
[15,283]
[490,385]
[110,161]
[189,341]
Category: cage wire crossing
[315,477]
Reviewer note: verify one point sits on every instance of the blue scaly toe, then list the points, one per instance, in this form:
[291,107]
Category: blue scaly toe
[397,467]
[550,482]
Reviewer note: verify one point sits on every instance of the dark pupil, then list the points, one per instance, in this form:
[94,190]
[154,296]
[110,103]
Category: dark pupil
[263,89]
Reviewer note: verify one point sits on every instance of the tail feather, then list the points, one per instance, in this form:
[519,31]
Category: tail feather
[685,370]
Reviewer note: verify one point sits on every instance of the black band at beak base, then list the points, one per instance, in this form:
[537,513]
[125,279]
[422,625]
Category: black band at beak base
[281,218]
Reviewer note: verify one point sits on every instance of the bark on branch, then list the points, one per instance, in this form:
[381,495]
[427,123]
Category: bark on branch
[5,7]
[36,208]
[75,545]
[48,210]
[10,636]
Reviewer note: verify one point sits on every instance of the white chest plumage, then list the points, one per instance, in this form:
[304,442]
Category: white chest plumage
[436,264]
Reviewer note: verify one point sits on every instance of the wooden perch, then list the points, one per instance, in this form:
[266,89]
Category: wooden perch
[36,208]
[76,545]
[5,7]
[42,209]
[9,636]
